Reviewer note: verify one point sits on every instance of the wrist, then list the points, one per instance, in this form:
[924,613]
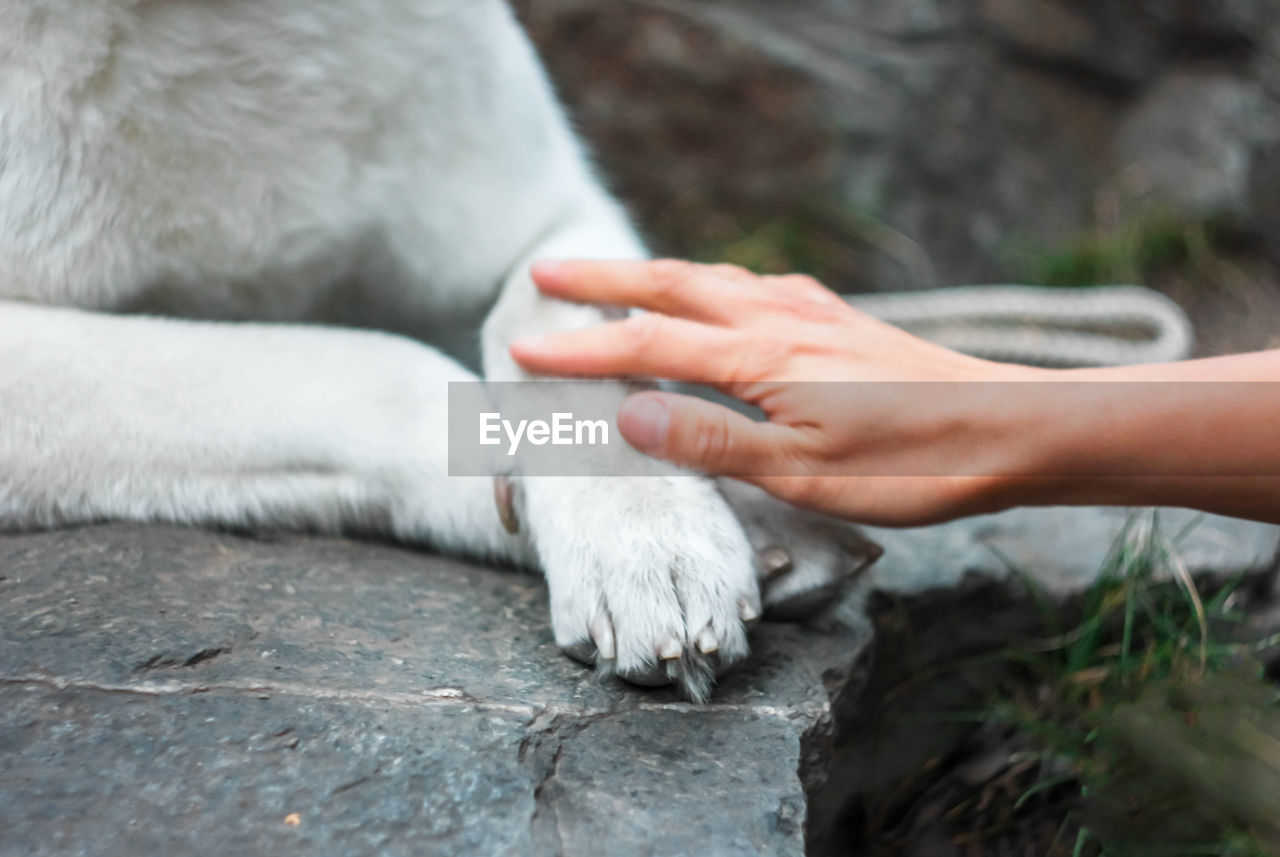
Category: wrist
[1004,461]
[1135,435]
[1083,437]
[1034,438]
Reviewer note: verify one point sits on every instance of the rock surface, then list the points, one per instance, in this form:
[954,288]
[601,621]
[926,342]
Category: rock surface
[961,133]
[1062,549]
[168,691]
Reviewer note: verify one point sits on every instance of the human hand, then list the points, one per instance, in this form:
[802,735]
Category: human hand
[902,458]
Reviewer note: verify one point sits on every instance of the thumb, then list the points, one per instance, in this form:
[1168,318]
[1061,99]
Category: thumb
[697,434]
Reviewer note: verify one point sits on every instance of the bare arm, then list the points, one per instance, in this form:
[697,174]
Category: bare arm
[900,431]
[1203,434]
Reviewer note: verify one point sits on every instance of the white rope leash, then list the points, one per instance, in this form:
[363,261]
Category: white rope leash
[1094,326]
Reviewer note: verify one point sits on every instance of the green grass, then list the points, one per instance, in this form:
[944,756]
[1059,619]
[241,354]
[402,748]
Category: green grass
[823,238]
[1147,243]
[1151,714]
[1151,242]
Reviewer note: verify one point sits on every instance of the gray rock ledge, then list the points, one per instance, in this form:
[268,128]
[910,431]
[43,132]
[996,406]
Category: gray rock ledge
[169,691]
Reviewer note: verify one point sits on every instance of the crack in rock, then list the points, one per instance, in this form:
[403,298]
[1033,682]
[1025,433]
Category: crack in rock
[168,660]
[346,787]
[541,750]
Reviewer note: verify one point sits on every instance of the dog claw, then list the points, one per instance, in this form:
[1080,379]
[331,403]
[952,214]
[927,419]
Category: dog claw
[774,561]
[602,633]
[670,649]
[864,552]
[707,642]
[747,611]
[504,497]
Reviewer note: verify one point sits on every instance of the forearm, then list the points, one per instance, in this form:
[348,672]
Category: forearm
[1202,434]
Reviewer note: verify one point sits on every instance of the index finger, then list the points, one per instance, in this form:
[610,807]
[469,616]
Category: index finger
[672,287]
[646,346]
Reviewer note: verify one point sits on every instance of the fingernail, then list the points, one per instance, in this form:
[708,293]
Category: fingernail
[643,421]
[545,269]
[532,342]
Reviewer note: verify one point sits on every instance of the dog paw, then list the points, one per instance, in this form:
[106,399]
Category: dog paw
[650,578]
[803,559]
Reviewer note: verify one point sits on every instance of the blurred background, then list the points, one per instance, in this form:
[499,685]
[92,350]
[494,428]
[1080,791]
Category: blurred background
[901,144]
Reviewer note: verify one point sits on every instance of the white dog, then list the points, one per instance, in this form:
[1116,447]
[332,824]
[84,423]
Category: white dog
[227,229]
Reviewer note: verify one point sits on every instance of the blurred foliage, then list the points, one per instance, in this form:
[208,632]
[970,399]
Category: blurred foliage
[1191,762]
[1146,243]
[1150,241]
[1134,719]
[1141,242]
[824,239]
[1153,715]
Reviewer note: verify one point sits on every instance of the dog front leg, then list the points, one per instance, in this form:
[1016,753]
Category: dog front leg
[242,425]
[649,576]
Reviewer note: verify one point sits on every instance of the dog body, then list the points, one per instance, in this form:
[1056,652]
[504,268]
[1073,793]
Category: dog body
[227,232]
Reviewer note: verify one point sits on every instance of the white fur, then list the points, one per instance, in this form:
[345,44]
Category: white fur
[247,165]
